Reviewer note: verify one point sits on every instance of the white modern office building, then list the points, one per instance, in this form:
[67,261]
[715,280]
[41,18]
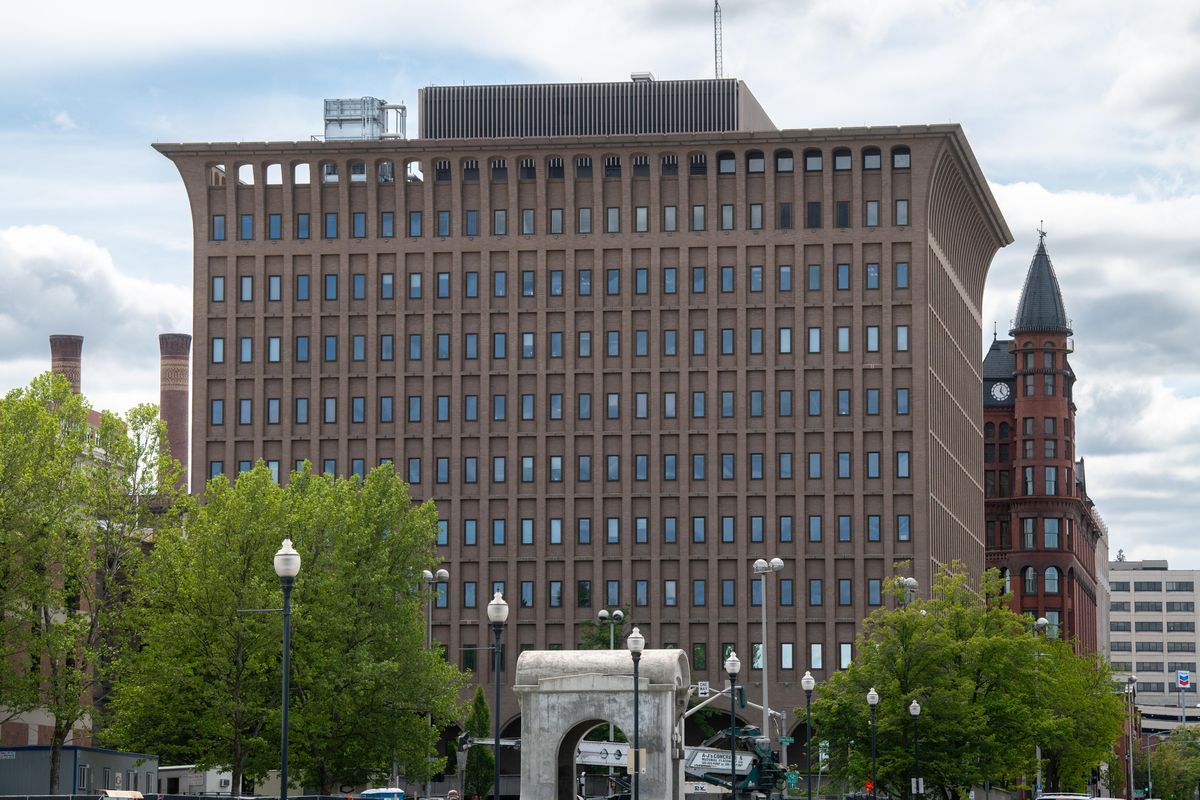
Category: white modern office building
[1152,634]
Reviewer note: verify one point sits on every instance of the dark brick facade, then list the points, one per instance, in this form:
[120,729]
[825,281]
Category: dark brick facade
[771,333]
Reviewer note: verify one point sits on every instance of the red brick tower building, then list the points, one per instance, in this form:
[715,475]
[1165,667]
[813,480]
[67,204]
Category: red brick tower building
[1042,530]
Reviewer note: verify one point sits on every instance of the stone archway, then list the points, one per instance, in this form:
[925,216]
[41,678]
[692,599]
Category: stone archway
[567,776]
[564,693]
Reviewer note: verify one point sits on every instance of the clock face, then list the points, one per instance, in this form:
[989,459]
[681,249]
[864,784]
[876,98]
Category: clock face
[1000,391]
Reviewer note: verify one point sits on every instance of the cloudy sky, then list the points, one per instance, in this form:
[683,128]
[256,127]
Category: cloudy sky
[1082,113]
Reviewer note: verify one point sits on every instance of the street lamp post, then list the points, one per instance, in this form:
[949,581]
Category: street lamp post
[872,701]
[914,708]
[808,683]
[287,567]
[615,618]
[1130,696]
[432,579]
[498,614]
[1039,627]
[637,643]
[732,667]
[1149,768]
[761,568]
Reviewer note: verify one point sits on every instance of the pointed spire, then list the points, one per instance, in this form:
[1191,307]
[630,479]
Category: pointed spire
[1041,308]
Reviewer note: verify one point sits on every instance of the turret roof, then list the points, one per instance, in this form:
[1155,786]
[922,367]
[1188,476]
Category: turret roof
[1041,308]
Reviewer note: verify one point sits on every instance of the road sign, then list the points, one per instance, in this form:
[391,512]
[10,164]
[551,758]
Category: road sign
[918,785]
[787,740]
[1184,679]
[702,689]
[602,754]
[641,754]
[708,759]
[793,780]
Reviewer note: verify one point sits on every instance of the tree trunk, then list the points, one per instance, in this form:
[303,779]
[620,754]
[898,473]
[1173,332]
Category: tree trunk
[55,761]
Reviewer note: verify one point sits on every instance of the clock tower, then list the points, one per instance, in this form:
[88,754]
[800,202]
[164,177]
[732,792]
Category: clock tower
[1042,530]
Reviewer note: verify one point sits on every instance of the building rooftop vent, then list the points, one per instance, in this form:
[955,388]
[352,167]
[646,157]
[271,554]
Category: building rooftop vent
[363,118]
[641,77]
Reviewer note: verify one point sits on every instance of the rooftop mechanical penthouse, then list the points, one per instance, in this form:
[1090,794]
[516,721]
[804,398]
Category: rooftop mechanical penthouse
[624,364]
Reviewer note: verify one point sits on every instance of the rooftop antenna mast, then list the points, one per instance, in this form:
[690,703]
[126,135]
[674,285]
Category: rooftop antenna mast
[717,56]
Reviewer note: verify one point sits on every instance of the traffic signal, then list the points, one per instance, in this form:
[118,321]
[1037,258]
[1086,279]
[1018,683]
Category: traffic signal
[870,785]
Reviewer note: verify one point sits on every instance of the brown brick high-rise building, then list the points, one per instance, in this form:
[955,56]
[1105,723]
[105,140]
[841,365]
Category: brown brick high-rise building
[626,362]
[1042,528]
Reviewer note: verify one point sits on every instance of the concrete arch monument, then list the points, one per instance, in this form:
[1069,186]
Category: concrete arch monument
[564,693]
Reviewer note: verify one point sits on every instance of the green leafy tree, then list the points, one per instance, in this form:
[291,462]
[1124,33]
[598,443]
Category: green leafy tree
[205,685]
[480,772]
[970,662]
[1174,764]
[80,498]
[361,662]
[1080,718]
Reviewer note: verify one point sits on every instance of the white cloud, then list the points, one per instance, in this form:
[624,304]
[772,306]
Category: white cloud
[58,283]
[63,120]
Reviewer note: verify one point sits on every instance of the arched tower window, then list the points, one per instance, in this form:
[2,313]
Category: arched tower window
[1029,580]
[1051,580]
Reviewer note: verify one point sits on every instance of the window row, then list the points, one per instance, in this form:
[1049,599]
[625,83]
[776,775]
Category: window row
[1151,647]
[1154,606]
[1154,586]
[610,469]
[1154,666]
[1033,481]
[754,163]
[839,592]
[615,219]
[699,651]
[695,343]
[1153,626]
[841,278]
[695,406]
[1055,533]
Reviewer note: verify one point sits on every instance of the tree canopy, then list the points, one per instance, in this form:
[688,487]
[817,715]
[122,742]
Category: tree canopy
[205,685]
[989,692]
[80,499]
[480,759]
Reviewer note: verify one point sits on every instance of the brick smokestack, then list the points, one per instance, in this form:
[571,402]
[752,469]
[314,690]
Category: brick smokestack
[174,350]
[66,354]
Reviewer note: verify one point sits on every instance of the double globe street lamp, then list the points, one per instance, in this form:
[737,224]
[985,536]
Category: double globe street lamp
[762,568]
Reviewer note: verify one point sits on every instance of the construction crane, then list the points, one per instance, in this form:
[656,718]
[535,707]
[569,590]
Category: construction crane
[717,55]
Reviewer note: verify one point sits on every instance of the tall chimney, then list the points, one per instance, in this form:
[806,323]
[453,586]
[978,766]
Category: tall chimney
[174,349]
[66,354]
